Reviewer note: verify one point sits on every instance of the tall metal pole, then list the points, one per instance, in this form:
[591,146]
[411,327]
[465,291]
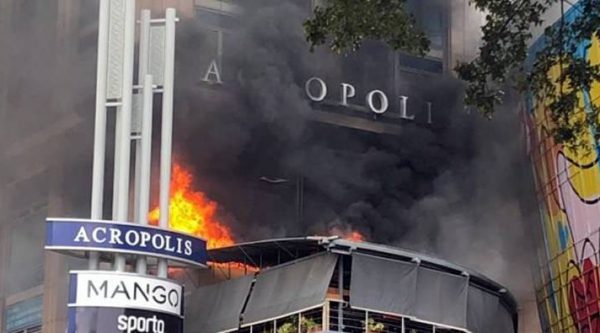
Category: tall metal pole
[117,163]
[100,123]
[145,162]
[143,146]
[124,146]
[142,71]
[167,128]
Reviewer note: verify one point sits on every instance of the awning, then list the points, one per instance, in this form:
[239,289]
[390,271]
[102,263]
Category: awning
[290,288]
[383,285]
[442,297]
[503,320]
[404,288]
[217,307]
[486,313]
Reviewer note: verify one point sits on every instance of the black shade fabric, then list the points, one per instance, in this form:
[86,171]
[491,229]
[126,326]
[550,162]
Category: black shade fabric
[503,320]
[486,314]
[405,288]
[290,288]
[217,307]
[442,297]
[383,285]
[481,311]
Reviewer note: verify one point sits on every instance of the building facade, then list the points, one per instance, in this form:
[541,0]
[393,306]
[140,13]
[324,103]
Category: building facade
[568,188]
[47,80]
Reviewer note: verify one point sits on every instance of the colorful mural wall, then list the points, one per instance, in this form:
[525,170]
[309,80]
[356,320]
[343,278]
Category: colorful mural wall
[568,191]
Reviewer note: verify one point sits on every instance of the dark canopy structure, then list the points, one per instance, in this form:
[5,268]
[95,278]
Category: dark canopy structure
[296,276]
[217,308]
[290,288]
[396,282]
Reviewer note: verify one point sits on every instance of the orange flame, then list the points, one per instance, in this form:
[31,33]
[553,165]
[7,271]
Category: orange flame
[192,212]
[355,236]
[348,233]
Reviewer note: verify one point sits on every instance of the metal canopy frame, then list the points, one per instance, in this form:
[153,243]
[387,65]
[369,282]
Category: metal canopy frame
[267,253]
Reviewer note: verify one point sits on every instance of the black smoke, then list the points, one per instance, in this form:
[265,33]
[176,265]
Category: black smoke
[259,123]
[458,188]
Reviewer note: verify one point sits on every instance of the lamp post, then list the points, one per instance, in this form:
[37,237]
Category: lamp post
[299,192]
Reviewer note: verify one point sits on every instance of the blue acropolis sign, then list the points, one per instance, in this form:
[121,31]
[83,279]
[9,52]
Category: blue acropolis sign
[67,235]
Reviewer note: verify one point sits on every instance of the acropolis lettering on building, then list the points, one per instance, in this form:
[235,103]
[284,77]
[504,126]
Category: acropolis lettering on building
[375,101]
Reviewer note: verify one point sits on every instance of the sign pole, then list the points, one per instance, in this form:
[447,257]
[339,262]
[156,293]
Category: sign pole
[145,159]
[100,123]
[167,128]
[143,56]
[124,146]
[102,301]
[143,145]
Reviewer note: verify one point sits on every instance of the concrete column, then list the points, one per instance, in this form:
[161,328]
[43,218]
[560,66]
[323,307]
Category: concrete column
[56,277]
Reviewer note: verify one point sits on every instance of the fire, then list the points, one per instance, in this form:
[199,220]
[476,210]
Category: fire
[192,212]
[355,236]
[348,233]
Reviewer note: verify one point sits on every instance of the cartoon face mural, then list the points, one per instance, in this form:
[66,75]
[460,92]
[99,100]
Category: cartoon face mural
[568,184]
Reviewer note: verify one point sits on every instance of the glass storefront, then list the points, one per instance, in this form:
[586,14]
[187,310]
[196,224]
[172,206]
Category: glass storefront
[351,320]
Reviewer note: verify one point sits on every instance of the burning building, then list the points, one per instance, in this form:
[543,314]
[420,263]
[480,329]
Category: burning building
[271,140]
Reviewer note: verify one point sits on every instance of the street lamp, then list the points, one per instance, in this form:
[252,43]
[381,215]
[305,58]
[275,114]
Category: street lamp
[299,192]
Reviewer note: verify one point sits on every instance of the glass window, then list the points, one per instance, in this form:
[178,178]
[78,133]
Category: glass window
[287,324]
[381,323]
[431,18]
[263,328]
[312,321]
[352,320]
[25,253]
[24,316]
[417,327]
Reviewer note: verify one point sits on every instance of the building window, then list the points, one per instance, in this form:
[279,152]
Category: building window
[417,327]
[288,324]
[430,16]
[24,316]
[352,320]
[384,323]
[25,267]
[267,327]
[311,321]
[36,329]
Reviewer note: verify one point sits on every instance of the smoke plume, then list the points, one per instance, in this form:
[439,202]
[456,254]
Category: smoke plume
[458,188]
